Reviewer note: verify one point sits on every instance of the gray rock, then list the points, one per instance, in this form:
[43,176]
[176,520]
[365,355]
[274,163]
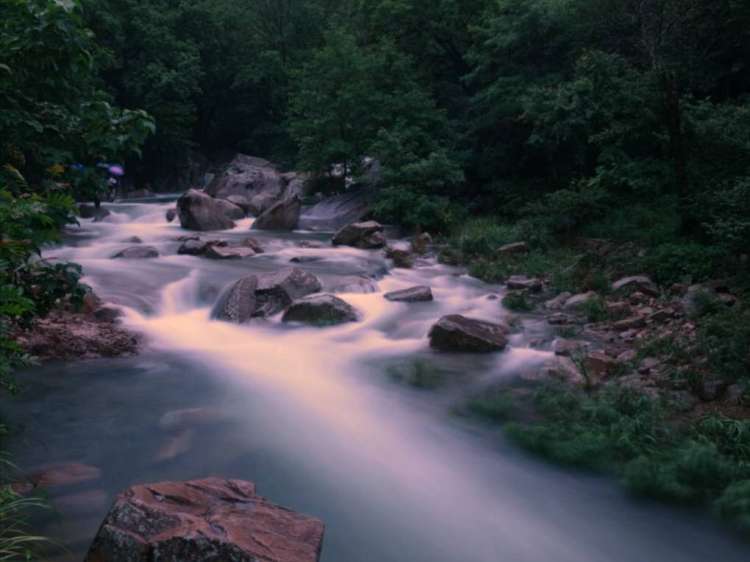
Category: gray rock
[336,212]
[101,214]
[558,302]
[320,310]
[640,283]
[221,252]
[276,291]
[241,201]
[353,284]
[237,304]
[413,294]
[137,252]
[261,203]
[193,247]
[364,235]
[521,282]
[171,215]
[200,211]
[577,301]
[460,334]
[401,258]
[232,211]
[247,176]
[283,215]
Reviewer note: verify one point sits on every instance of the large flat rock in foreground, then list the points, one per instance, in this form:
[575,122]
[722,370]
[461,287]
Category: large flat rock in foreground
[210,520]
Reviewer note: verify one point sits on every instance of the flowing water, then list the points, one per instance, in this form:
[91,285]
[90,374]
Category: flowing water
[319,418]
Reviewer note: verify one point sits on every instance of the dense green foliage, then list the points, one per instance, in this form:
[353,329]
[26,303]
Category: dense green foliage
[620,119]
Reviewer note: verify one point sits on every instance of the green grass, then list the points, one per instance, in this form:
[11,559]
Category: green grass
[16,541]
[517,302]
[621,432]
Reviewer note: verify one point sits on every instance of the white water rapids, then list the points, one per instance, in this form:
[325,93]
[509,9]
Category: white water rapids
[313,417]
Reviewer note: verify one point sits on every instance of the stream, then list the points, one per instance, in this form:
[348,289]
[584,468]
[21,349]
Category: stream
[321,419]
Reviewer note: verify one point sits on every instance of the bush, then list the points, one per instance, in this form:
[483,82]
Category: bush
[691,262]
[516,301]
[734,505]
[725,340]
[482,238]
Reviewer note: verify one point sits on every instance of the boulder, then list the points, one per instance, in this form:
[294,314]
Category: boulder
[237,304]
[264,295]
[335,212]
[458,333]
[521,283]
[210,520]
[247,176]
[200,211]
[137,252]
[564,369]
[578,301]
[171,215]
[261,203]
[231,211]
[568,348]
[241,201]
[320,310]
[413,294]
[276,291]
[283,215]
[364,235]
[636,283]
[421,243]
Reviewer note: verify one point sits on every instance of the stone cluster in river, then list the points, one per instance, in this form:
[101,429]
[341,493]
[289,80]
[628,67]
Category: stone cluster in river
[213,519]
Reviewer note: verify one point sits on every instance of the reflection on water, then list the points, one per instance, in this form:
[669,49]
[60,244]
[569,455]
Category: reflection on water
[312,416]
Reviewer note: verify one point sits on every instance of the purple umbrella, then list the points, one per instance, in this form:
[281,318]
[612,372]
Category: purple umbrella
[116,170]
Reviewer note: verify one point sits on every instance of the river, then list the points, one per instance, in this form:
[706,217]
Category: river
[317,417]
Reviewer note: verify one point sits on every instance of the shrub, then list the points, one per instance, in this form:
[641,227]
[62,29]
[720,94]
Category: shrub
[516,301]
[725,340]
[734,505]
[482,237]
[671,263]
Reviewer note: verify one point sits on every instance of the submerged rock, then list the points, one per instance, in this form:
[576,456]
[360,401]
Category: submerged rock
[222,252]
[320,310]
[413,294]
[199,211]
[137,252]
[210,520]
[459,333]
[364,235]
[283,215]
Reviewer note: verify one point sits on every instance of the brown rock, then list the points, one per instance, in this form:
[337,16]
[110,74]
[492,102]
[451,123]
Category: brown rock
[211,520]
[632,323]
[401,258]
[599,365]
[521,282]
[636,283]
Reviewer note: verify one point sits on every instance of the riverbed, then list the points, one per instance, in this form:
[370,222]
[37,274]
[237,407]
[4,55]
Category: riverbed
[321,418]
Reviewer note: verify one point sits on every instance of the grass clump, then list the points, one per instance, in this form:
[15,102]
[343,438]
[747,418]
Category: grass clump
[622,432]
[517,302]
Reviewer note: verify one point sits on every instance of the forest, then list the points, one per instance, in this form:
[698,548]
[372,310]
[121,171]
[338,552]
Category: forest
[562,124]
